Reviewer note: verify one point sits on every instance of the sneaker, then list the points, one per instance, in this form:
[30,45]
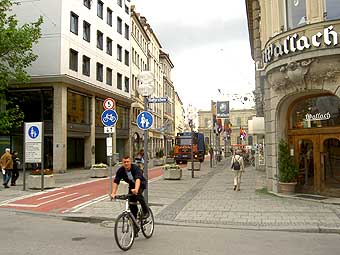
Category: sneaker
[234,187]
[6,186]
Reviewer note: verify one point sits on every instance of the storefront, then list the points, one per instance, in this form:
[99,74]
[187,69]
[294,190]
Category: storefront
[313,125]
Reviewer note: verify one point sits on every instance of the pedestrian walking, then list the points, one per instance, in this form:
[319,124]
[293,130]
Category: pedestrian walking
[6,163]
[15,171]
[237,166]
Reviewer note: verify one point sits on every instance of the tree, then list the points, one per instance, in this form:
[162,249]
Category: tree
[16,55]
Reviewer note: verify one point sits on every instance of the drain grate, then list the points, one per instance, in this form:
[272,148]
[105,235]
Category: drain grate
[311,197]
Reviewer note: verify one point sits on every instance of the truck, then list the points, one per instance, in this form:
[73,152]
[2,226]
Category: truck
[182,148]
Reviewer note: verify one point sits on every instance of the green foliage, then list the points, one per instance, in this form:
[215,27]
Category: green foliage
[287,169]
[160,154]
[16,55]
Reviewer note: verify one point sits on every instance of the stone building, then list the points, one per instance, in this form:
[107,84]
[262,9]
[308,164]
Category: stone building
[295,46]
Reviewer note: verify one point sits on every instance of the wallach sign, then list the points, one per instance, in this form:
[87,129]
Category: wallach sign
[318,116]
[294,43]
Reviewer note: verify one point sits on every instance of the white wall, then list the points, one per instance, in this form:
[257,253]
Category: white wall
[48,48]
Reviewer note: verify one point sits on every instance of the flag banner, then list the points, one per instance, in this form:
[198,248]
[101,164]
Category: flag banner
[222,109]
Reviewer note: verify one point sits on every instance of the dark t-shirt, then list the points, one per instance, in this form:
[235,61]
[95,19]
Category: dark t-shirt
[122,174]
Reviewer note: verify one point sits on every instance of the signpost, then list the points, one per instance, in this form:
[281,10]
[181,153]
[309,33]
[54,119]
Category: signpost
[33,148]
[109,118]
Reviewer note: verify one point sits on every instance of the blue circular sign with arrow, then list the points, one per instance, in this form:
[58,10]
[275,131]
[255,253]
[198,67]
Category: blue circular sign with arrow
[109,117]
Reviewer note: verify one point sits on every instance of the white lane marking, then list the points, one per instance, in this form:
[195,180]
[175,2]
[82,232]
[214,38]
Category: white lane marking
[77,198]
[53,195]
[85,204]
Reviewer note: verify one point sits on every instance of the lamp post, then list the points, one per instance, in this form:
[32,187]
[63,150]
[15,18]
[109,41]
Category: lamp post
[210,143]
[145,89]
[191,116]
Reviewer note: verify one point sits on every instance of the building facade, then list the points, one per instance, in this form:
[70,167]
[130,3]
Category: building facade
[83,58]
[179,115]
[239,120]
[295,46]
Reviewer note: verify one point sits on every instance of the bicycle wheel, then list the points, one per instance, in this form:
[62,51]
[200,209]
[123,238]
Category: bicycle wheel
[124,231]
[147,225]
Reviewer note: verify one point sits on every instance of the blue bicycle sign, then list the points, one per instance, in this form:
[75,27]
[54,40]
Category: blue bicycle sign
[109,117]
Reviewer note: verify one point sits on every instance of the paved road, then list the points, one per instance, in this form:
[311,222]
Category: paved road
[29,234]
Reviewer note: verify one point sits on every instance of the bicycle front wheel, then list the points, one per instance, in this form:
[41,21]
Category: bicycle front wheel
[124,231]
[147,225]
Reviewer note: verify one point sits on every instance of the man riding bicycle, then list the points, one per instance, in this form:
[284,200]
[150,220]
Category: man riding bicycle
[132,175]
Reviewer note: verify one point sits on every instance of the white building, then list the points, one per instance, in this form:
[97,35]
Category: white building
[83,58]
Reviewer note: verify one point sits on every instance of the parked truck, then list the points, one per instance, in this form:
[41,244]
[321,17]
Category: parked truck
[182,148]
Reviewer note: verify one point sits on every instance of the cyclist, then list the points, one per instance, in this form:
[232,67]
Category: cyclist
[131,174]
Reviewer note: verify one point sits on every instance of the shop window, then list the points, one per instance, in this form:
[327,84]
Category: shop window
[296,13]
[123,120]
[76,108]
[316,112]
[99,110]
[332,9]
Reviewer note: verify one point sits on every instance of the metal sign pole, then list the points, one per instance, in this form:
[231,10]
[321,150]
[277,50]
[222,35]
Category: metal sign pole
[146,159]
[42,156]
[110,168]
[24,160]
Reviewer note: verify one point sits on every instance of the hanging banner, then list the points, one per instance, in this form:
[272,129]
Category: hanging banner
[222,109]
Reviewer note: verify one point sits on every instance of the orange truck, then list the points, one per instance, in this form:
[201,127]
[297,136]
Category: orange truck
[182,148]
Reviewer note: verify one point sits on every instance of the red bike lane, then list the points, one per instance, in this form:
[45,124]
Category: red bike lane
[63,199]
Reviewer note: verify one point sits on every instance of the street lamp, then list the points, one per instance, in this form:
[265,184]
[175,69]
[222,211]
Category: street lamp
[145,89]
[210,142]
[191,115]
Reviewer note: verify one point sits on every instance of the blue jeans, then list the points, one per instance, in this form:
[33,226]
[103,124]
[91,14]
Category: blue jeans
[7,176]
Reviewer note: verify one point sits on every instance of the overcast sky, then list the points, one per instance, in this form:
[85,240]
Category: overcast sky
[208,43]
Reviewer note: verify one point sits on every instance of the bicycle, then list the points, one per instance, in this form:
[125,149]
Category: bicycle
[127,226]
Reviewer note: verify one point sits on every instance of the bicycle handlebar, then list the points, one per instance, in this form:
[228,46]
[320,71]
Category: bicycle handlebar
[123,197]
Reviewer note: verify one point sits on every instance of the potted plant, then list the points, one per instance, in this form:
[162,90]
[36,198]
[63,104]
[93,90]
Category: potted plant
[288,171]
[158,161]
[34,179]
[172,172]
[99,170]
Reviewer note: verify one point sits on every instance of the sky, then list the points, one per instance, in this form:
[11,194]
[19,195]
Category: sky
[208,43]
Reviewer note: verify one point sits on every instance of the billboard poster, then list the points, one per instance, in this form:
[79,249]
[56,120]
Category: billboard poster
[222,109]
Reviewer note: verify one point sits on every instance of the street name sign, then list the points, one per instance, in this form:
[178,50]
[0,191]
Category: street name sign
[158,100]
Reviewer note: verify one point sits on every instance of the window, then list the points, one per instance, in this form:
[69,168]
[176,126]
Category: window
[86,31]
[126,58]
[87,3]
[100,7]
[109,76]
[119,81]
[238,121]
[99,40]
[108,46]
[332,9]
[127,31]
[99,72]
[119,25]
[73,60]
[127,84]
[86,65]
[109,17]
[74,23]
[296,13]
[119,2]
[119,53]
[127,9]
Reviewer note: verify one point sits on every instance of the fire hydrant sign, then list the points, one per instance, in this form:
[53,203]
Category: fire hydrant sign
[33,142]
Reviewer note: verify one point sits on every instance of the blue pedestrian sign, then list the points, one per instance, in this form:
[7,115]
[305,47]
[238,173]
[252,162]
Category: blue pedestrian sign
[109,117]
[33,132]
[144,120]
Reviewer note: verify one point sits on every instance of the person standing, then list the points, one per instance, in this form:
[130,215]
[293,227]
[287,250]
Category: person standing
[237,166]
[15,171]
[6,163]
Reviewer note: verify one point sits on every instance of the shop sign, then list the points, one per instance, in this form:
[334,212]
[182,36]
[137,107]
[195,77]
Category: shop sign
[318,116]
[294,43]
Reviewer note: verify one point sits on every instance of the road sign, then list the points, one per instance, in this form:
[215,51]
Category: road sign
[33,132]
[158,100]
[33,142]
[109,103]
[144,120]
[109,130]
[109,117]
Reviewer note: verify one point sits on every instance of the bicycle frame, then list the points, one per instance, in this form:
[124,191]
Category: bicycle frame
[128,211]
